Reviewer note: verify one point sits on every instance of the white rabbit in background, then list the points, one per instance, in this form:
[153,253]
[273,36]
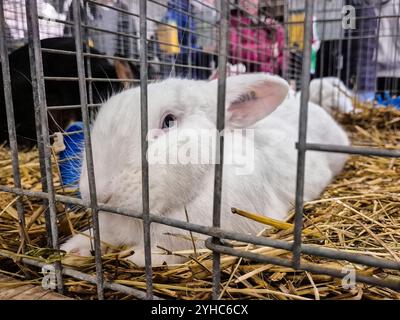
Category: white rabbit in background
[253,101]
[333,94]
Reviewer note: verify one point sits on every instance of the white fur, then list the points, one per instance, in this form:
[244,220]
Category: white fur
[270,190]
[331,93]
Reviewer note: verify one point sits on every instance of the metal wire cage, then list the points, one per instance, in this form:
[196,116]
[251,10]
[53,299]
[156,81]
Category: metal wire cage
[195,49]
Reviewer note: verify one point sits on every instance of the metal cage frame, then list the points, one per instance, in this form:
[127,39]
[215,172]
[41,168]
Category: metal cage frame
[216,242]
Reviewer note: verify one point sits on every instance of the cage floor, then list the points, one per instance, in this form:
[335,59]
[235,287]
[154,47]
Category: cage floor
[358,212]
[12,289]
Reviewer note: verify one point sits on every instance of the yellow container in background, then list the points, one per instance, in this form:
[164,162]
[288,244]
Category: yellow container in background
[167,35]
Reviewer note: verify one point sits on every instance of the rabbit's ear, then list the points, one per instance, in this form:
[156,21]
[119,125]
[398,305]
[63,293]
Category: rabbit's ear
[251,97]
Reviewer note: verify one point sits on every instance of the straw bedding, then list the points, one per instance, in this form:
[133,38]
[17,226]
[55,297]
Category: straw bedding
[358,212]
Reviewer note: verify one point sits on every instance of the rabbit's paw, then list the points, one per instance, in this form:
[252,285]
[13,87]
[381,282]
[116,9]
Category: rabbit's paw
[78,245]
[157,259]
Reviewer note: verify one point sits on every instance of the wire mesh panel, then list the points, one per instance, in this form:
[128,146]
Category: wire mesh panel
[62,60]
[16,18]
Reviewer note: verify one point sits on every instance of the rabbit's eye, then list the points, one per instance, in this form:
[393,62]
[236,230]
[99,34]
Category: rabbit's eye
[169,121]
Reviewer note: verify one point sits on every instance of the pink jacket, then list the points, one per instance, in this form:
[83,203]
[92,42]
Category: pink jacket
[260,45]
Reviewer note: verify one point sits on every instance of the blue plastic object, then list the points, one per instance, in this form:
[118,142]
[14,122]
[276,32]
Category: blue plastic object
[180,11]
[70,160]
[365,96]
[387,100]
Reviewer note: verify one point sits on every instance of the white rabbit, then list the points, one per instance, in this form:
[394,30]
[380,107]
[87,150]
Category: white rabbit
[251,100]
[333,94]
